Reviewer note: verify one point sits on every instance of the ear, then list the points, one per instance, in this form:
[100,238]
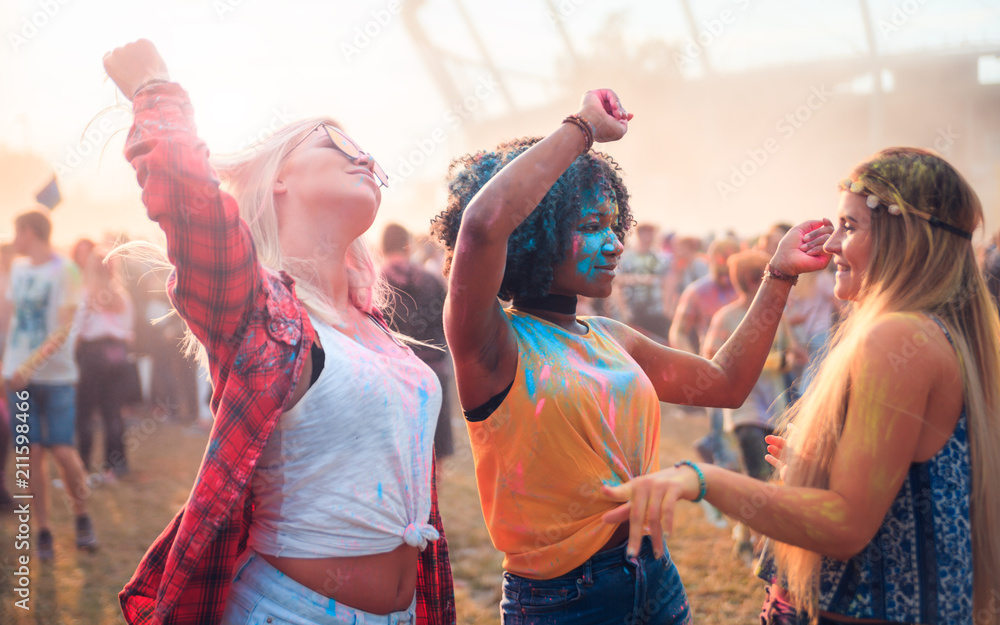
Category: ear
[279,188]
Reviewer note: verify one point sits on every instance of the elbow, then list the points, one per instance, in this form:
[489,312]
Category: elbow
[844,551]
[733,403]
[847,543]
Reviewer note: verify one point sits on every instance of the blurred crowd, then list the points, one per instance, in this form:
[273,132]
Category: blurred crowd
[683,291]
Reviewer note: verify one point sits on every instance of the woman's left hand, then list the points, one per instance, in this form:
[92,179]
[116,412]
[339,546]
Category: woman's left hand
[649,504]
[801,249]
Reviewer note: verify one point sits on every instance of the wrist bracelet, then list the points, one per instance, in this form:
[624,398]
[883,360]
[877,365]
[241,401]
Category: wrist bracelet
[702,486]
[584,125]
[771,272]
[148,83]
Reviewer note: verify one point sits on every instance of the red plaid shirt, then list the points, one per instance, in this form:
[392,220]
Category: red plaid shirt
[257,336]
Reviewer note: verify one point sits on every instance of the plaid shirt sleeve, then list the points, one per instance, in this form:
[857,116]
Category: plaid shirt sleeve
[216,270]
[222,293]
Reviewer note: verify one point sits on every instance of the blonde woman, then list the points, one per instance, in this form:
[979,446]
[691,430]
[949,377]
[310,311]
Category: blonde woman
[887,511]
[315,500]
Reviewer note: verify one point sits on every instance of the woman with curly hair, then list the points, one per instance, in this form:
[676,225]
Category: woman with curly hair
[557,405]
[886,508]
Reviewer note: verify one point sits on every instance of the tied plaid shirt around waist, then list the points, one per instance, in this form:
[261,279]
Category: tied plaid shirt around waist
[257,336]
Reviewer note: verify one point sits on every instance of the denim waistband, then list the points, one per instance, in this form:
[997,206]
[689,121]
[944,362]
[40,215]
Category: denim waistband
[611,558]
[258,574]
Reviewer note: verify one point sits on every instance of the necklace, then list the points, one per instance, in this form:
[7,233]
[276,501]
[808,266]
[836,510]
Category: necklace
[562,304]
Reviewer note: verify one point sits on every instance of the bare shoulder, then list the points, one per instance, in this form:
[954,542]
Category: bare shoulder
[622,333]
[907,341]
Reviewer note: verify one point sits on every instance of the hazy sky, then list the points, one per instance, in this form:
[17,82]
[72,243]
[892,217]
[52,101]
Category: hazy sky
[250,65]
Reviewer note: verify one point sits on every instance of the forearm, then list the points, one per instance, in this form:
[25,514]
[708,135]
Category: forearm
[207,241]
[815,519]
[514,192]
[742,357]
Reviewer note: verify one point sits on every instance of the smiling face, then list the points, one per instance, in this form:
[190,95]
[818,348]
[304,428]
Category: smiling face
[589,266]
[317,180]
[850,244]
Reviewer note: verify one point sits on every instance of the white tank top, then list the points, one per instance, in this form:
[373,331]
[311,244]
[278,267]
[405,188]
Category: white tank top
[347,471]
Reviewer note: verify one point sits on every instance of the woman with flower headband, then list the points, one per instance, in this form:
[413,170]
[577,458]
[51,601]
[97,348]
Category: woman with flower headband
[884,510]
[315,501]
[558,405]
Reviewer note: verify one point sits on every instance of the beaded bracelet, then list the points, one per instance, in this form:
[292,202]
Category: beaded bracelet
[584,125]
[148,83]
[702,486]
[771,272]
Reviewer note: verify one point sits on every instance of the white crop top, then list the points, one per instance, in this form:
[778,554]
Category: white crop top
[347,471]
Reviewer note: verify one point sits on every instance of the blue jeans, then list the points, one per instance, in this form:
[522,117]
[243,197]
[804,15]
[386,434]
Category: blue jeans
[51,414]
[608,589]
[262,594]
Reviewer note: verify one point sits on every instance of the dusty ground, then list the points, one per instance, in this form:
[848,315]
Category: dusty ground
[81,588]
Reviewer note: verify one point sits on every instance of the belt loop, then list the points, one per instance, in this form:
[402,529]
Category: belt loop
[588,572]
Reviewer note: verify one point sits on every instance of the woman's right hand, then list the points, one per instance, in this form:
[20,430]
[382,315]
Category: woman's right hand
[604,110]
[134,64]
[775,447]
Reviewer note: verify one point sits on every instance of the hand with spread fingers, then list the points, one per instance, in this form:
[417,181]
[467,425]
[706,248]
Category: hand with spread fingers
[648,504]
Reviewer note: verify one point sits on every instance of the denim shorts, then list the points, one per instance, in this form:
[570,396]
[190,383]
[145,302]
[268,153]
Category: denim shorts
[608,589]
[51,414]
[263,595]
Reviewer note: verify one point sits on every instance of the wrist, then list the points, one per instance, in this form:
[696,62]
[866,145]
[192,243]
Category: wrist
[701,489]
[148,83]
[772,272]
[586,129]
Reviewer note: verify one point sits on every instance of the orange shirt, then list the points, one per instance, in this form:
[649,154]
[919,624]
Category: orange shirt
[580,413]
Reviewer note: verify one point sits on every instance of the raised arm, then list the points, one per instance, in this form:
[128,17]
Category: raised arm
[886,417]
[484,350]
[727,378]
[216,270]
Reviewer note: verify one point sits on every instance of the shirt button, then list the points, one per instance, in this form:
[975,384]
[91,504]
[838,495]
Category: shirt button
[270,620]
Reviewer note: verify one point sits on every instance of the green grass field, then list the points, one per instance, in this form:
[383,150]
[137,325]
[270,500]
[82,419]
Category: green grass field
[81,588]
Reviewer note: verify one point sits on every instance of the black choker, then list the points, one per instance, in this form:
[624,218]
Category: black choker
[562,304]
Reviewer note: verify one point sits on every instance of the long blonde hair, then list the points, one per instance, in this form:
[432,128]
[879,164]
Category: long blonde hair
[249,176]
[913,267]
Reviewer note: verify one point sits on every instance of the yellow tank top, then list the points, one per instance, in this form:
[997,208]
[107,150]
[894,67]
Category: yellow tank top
[580,413]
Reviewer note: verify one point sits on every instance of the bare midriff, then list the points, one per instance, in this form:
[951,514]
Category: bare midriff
[380,583]
[620,536]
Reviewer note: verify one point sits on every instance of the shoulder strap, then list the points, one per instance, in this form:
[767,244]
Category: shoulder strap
[943,327]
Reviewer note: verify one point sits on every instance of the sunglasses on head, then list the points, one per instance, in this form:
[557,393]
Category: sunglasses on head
[351,149]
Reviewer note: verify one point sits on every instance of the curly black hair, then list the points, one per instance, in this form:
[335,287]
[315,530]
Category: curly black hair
[543,239]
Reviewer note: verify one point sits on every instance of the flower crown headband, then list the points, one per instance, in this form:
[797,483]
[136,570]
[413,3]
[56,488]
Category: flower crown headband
[873,202]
